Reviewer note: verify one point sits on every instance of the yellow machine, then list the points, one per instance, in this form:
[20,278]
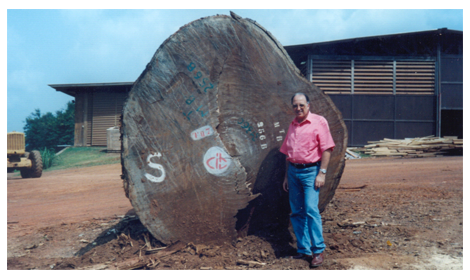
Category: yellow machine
[29,164]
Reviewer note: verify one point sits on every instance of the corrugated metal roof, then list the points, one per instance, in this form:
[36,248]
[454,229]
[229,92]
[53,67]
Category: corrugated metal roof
[427,32]
[73,89]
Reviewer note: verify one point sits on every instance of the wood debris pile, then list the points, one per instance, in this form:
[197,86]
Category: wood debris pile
[428,146]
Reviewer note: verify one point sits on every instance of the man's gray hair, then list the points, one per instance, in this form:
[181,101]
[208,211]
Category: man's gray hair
[299,93]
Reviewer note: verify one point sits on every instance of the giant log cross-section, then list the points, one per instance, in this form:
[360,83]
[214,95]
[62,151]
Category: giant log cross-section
[202,128]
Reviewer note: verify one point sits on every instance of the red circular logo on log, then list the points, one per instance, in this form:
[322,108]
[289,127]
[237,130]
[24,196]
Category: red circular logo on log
[216,160]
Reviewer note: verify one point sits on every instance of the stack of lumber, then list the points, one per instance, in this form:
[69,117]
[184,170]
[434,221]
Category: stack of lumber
[428,146]
[350,154]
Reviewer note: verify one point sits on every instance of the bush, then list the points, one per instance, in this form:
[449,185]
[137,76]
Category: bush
[48,158]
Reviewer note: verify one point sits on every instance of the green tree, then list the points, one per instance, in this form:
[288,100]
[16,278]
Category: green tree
[49,130]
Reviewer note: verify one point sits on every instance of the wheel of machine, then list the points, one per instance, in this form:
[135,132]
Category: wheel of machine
[36,160]
[25,173]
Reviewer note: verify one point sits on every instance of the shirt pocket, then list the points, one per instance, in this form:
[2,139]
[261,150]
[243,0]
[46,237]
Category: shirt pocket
[308,145]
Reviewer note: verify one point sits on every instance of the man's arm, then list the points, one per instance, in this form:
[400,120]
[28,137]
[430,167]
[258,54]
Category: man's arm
[285,185]
[325,160]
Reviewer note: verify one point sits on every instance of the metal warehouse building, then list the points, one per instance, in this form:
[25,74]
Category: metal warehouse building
[390,86]
[97,108]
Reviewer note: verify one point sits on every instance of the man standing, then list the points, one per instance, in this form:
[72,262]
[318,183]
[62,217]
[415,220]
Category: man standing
[308,146]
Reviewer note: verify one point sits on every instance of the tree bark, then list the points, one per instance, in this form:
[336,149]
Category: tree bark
[202,128]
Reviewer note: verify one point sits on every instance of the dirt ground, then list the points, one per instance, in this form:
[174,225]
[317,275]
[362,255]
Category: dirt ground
[387,213]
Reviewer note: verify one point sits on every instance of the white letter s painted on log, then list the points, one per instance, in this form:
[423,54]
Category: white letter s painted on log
[153,165]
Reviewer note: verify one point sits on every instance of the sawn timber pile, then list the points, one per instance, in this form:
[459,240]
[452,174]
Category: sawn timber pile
[428,146]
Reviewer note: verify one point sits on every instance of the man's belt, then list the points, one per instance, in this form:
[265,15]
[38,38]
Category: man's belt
[304,165]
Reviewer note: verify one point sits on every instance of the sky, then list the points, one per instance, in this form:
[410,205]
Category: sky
[62,46]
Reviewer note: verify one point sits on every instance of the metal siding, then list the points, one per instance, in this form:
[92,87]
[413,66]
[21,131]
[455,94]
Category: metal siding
[451,82]
[120,99]
[415,77]
[416,107]
[414,129]
[332,76]
[375,117]
[387,97]
[79,120]
[451,69]
[373,77]
[107,109]
[370,131]
[343,103]
[373,107]
[452,96]
[89,124]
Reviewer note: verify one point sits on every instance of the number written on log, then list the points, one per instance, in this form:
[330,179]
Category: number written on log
[204,83]
[216,161]
[248,129]
[262,137]
[152,178]
[202,132]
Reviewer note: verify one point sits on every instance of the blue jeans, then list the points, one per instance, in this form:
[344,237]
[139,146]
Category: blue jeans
[305,216]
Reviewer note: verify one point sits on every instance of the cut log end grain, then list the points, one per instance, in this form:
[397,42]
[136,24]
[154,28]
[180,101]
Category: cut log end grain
[202,127]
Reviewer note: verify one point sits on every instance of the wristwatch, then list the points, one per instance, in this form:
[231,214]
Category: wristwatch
[323,171]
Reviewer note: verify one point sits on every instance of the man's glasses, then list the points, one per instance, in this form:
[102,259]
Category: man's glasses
[298,105]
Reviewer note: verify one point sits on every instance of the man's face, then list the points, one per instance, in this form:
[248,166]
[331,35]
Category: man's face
[300,106]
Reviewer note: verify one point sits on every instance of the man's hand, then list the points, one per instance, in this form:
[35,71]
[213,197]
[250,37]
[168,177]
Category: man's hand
[285,185]
[320,180]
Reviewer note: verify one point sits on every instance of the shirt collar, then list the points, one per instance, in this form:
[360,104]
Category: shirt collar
[308,119]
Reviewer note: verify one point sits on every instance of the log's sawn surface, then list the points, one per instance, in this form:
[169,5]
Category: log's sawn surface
[202,128]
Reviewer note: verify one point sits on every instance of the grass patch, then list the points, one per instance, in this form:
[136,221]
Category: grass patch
[76,157]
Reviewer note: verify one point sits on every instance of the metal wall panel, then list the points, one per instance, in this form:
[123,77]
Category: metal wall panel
[343,102]
[375,117]
[373,76]
[416,107]
[370,131]
[332,76]
[451,82]
[451,68]
[414,129]
[415,77]
[373,107]
[89,118]
[79,132]
[452,96]
[107,108]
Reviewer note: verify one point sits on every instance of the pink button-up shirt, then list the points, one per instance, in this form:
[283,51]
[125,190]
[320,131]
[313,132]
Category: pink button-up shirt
[306,142]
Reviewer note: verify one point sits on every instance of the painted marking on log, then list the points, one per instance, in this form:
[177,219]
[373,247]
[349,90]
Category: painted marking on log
[262,137]
[216,161]
[152,178]
[202,132]
[248,129]
[191,66]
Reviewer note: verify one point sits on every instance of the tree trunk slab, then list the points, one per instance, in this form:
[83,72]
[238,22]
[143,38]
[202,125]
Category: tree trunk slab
[202,128]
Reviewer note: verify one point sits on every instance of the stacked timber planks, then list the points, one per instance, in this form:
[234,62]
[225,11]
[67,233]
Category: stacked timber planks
[428,146]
